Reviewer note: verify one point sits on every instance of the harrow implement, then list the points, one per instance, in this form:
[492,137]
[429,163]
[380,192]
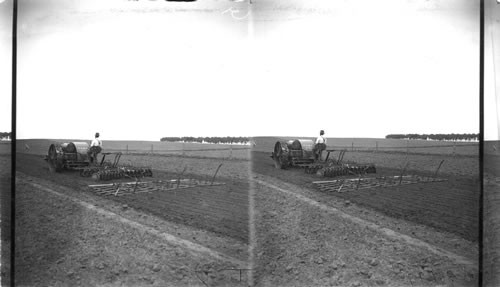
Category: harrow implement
[109,171]
[345,185]
[128,188]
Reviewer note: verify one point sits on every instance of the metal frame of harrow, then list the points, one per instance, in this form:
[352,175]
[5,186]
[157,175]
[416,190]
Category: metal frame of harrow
[109,171]
[351,184]
[126,188]
[340,170]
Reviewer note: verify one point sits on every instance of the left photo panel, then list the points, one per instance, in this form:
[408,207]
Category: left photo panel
[133,152]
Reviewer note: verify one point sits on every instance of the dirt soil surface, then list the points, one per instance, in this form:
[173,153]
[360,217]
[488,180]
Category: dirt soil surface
[491,220]
[432,204]
[458,165]
[191,237]
[221,209]
[397,236]
[5,188]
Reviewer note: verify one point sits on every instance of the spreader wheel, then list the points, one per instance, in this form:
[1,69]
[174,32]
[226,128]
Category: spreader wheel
[280,155]
[55,164]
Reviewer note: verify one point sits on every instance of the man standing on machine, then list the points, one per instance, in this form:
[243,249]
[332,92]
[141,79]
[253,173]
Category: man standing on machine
[95,148]
[319,145]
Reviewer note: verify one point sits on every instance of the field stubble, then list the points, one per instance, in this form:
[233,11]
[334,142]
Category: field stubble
[491,217]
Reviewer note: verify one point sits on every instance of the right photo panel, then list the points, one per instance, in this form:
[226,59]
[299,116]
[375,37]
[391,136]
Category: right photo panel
[365,167]
[491,148]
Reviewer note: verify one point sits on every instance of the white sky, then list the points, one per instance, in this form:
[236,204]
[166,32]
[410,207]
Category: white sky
[370,68]
[5,66]
[148,69]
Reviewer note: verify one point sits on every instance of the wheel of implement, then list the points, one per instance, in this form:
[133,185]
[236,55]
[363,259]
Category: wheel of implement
[55,163]
[280,155]
[84,172]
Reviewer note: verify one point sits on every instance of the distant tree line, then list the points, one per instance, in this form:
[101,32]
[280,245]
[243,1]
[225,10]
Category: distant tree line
[5,134]
[214,140]
[440,137]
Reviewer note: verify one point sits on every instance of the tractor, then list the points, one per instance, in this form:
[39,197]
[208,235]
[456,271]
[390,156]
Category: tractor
[68,156]
[293,153]
[75,156]
[301,153]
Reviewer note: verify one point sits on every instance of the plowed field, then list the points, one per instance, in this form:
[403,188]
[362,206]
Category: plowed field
[452,205]
[221,209]
[491,216]
[5,231]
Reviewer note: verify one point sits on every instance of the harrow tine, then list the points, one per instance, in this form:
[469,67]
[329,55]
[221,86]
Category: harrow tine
[340,188]
[435,173]
[341,156]
[136,183]
[215,174]
[117,189]
[117,159]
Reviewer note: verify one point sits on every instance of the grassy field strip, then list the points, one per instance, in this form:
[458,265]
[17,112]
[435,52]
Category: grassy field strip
[176,150]
[194,248]
[415,146]
[386,231]
[42,145]
[196,150]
